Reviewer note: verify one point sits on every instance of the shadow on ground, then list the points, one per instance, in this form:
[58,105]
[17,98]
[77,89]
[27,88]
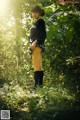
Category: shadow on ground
[46,115]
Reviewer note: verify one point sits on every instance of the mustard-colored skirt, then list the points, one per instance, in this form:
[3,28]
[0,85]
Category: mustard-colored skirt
[37,59]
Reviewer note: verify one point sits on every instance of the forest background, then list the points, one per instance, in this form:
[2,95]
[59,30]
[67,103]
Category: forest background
[61,60]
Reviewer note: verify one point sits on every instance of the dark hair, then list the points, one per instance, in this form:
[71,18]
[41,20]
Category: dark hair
[39,10]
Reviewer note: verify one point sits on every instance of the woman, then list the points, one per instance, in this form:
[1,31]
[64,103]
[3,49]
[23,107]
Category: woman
[37,38]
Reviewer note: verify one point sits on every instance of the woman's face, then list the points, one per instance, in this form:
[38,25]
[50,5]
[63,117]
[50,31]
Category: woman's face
[35,15]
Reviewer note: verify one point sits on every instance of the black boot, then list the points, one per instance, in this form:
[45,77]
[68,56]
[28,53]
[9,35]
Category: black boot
[41,78]
[36,78]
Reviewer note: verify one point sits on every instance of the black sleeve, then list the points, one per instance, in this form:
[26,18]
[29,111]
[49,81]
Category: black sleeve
[41,31]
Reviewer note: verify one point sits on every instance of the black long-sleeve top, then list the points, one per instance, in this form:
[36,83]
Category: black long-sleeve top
[38,32]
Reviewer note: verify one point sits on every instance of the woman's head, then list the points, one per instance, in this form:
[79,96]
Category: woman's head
[37,12]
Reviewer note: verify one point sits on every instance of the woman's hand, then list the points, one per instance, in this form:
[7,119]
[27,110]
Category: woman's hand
[33,45]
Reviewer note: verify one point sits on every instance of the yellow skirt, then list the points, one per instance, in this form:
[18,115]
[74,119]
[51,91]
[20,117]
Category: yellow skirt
[37,59]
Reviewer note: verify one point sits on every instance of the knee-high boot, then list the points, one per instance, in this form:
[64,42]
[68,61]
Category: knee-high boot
[36,78]
[41,78]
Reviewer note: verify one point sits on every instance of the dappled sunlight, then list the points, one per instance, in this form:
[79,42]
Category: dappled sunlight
[17,97]
[11,22]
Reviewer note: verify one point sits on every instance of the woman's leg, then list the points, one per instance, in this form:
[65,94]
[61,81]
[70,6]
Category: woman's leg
[37,59]
[37,64]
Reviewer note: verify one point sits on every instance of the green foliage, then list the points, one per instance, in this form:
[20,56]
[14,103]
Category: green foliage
[63,45]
